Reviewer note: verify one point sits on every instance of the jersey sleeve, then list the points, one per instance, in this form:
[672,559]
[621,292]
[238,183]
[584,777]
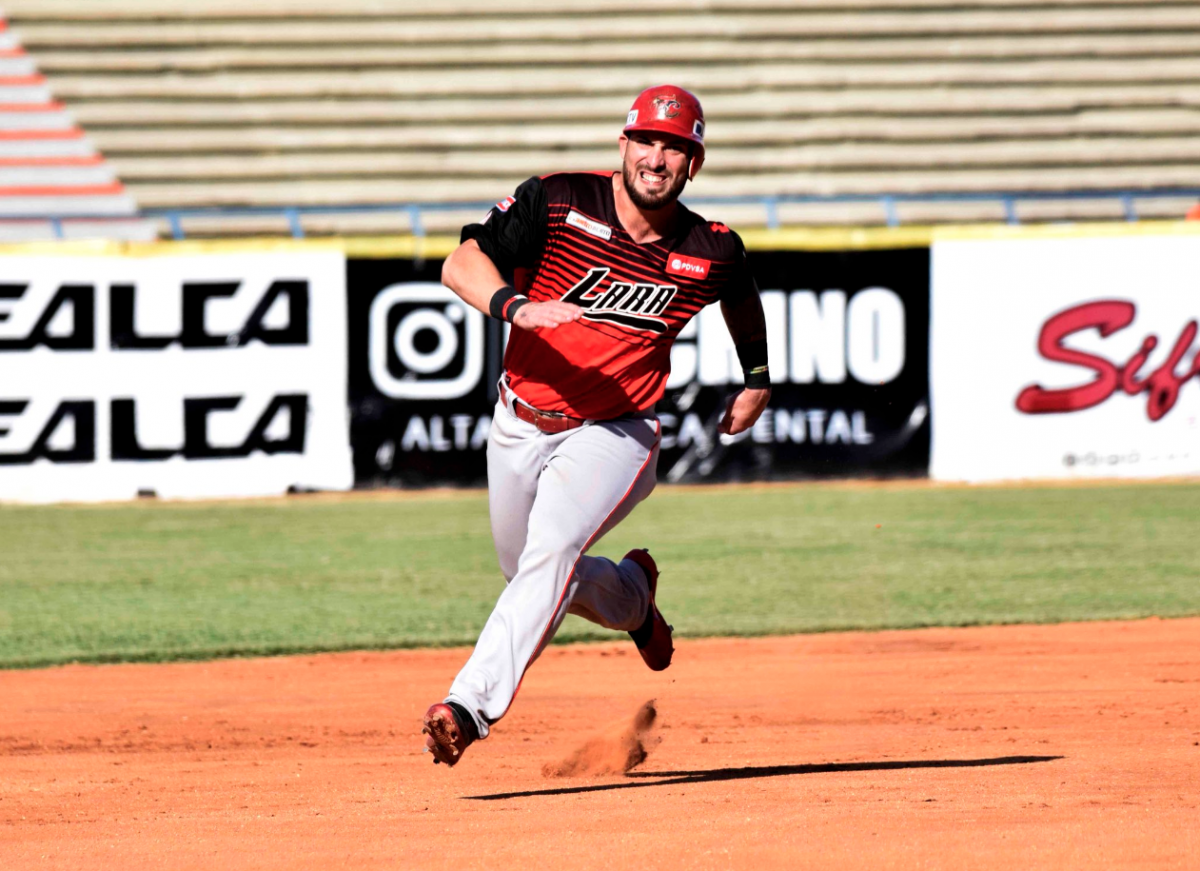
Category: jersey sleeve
[741,281]
[513,231]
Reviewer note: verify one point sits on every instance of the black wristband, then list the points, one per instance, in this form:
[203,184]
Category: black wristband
[757,379]
[514,306]
[753,357]
[505,302]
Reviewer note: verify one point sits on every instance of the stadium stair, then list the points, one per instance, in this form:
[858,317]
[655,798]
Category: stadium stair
[53,182]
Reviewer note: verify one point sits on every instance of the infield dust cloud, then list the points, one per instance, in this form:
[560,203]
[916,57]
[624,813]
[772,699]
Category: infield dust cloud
[614,751]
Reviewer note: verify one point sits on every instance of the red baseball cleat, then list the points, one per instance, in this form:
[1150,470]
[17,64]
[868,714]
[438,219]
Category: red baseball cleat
[446,738]
[653,639]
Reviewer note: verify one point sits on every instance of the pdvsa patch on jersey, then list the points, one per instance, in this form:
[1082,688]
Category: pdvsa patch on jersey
[690,267]
[589,226]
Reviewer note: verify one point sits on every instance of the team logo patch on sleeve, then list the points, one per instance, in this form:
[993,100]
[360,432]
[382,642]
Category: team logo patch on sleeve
[589,226]
[505,203]
[691,267]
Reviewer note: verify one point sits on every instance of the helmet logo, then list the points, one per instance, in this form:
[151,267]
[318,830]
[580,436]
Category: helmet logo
[667,106]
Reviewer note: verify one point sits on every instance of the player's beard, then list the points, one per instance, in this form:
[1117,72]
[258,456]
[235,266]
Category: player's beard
[656,200]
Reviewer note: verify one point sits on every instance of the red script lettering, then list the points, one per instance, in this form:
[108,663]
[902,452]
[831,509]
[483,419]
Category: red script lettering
[1108,316]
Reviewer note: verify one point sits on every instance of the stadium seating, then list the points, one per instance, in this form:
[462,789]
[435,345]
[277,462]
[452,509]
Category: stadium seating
[53,182]
[298,102]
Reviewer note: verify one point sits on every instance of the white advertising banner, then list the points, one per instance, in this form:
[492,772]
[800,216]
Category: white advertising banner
[185,376]
[1068,357]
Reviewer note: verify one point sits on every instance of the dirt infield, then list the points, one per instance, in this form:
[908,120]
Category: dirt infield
[1019,747]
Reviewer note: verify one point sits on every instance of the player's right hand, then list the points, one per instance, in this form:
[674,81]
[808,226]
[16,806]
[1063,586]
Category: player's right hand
[743,409]
[546,315]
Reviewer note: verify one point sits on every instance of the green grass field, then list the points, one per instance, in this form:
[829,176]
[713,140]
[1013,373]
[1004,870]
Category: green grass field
[155,582]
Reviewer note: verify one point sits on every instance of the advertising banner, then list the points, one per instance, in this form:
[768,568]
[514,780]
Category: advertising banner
[423,370]
[1066,357]
[175,375]
[848,337]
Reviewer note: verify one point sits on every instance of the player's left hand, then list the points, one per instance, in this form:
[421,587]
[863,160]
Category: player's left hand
[743,409]
[546,315]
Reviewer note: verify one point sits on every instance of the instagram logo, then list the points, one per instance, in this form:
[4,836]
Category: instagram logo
[424,342]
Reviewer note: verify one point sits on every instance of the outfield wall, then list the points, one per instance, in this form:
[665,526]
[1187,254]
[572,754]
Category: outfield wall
[199,369]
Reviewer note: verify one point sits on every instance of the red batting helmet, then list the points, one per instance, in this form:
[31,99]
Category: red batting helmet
[668,109]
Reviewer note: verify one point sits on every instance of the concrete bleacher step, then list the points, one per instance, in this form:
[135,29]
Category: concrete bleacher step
[14,62]
[745,217]
[752,104]
[17,117]
[618,80]
[742,216]
[390,190]
[44,143]
[844,157]
[67,201]
[122,229]
[166,140]
[1163,83]
[55,172]
[493,25]
[1147,208]
[109,10]
[196,59]
[23,89]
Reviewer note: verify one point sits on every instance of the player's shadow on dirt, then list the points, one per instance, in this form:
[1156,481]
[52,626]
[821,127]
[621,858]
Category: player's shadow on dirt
[642,779]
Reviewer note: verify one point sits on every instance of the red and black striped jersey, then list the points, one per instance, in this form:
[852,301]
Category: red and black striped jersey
[561,238]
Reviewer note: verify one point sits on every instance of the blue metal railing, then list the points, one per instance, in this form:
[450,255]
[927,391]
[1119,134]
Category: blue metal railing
[888,203]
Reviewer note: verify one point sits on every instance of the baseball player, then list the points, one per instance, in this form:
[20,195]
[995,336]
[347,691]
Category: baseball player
[608,267]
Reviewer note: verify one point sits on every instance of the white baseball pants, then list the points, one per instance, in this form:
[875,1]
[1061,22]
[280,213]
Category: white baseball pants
[551,498]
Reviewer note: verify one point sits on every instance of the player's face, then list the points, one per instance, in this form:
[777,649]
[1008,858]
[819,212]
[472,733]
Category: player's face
[654,168]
